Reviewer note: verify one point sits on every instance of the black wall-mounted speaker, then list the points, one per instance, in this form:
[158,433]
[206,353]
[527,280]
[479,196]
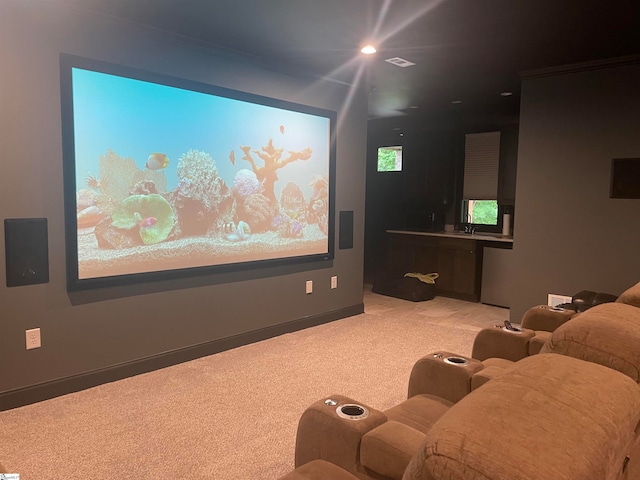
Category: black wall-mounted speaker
[625,178]
[26,251]
[345,235]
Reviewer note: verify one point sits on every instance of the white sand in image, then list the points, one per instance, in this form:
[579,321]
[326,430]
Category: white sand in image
[193,252]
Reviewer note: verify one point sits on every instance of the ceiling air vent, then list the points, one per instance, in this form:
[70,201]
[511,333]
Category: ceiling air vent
[399,62]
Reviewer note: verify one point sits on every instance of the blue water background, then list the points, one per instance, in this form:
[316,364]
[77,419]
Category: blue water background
[136,118]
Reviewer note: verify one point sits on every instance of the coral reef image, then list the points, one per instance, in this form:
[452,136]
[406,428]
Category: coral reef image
[128,221]
[154,195]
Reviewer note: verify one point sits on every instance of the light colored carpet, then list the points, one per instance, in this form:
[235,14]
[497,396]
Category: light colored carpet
[234,415]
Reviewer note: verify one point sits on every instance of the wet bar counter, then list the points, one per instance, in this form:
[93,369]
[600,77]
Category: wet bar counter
[456,257]
[492,237]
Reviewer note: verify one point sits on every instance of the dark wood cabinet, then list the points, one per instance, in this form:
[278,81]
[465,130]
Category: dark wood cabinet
[457,267]
[454,259]
[409,253]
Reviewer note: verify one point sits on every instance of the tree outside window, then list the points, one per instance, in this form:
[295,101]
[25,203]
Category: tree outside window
[482,212]
[390,159]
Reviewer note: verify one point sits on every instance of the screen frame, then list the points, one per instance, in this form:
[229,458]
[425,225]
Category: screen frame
[74,282]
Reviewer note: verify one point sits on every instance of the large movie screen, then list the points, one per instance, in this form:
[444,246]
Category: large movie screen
[165,177]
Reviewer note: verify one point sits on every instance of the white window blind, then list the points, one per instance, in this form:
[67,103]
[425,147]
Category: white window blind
[481,160]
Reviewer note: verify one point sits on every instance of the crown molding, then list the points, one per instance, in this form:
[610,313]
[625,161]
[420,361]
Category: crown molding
[580,67]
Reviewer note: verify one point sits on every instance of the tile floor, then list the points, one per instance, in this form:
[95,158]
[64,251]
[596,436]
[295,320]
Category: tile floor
[439,311]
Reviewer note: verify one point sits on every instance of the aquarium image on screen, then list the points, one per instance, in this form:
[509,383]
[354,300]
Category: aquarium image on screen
[167,177]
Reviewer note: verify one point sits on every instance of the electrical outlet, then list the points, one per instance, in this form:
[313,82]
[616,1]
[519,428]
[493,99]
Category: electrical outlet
[334,282]
[309,286]
[554,299]
[33,338]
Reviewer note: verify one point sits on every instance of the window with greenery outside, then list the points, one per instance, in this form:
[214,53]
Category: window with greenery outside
[482,212]
[390,159]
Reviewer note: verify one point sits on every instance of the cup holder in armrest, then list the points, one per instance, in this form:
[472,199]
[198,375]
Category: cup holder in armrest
[456,361]
[513,329]
[351,411]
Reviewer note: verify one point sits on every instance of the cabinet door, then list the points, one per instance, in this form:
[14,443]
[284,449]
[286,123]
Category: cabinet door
[446,270]
[457,269]
[425,258]
[464,272]
[406,253]
[399,255]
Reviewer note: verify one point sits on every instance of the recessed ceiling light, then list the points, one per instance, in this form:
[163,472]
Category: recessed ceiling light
[456,102]
[368,49]
[506,94]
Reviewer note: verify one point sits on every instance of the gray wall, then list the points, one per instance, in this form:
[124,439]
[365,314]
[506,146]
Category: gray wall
[569,235]
[97,330]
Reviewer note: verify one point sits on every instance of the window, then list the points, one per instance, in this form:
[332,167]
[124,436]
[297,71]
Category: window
[480,191]
[390,159]
[481,212]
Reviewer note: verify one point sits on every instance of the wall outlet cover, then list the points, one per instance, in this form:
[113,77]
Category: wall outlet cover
[554,299]
[33,338]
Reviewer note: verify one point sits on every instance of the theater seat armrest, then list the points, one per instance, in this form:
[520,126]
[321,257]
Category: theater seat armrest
[435,375]
[387,449]
[496,342]
[630,296]
[324,435]
[484,375]
[545,317]
[319,469]
[537,342]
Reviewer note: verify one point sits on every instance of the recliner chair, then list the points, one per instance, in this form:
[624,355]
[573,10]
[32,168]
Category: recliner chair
[549,416]
[608,334]
[535,328]
[370,444]
[362,440]
[585,299]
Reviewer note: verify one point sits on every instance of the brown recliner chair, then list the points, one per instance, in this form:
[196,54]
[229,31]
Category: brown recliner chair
[585,299]
[549,416]
[379,444]
[536,327]
[608,334]
[362,440]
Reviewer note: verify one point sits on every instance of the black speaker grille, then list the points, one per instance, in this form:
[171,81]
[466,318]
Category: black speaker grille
[26,251]
[345,239]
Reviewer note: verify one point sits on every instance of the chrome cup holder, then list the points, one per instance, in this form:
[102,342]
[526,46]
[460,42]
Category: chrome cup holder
[456,361]
[351,411]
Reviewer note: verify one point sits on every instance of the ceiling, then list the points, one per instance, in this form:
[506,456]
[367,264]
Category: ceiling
[464,50]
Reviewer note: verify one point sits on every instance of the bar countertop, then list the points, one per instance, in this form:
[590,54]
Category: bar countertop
[488,237]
